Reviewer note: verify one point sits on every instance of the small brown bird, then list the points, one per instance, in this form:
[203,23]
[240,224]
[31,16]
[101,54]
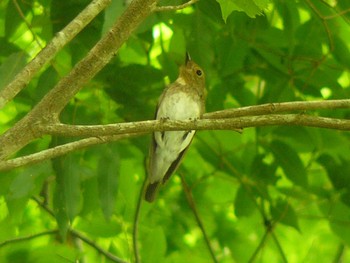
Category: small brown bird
[182,100]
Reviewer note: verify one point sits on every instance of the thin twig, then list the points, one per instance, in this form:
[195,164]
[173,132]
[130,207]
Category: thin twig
[279,247]
[97,247]
[324,22]
[175,7]
[43,206]
[29,26]
[259,247]
[82,237]
[136,223]
[29,237]
[192,205]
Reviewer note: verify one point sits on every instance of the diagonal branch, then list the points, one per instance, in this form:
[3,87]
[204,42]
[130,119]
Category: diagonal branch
[77,234]
[192,205]
[49,108]
[60,151]
[29,237]
[57,43]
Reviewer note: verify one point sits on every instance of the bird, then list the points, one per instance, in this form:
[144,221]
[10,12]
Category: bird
[183,99]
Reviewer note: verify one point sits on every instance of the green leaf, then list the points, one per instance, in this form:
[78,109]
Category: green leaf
[67,195]
[154,246]
[25,183]
[95,225]
[341,52]
[244,204]
[107,176]
[10,67]
[220,190]
[338,216]
[284,213]
[288,159]
[251,7]
[338,170]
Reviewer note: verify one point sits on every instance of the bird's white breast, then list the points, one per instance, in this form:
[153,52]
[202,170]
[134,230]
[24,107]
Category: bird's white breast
[178,106]
[175,106]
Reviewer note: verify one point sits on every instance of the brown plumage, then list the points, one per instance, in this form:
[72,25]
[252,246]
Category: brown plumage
[184,99]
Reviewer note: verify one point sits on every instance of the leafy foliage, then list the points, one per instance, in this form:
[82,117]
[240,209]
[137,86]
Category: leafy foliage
[270,194]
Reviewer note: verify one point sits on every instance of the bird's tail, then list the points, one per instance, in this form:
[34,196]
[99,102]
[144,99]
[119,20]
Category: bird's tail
[151,191]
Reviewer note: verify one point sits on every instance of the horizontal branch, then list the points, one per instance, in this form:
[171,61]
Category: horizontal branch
[272,108]
[230,120]
[202,124]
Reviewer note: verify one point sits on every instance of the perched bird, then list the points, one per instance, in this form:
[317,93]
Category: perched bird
[182,100]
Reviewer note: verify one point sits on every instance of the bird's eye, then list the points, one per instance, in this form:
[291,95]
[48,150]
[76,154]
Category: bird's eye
[199,72]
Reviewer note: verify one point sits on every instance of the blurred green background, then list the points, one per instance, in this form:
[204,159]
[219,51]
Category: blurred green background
[272,194]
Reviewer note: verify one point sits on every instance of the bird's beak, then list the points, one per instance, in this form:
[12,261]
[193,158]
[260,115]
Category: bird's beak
[188,57]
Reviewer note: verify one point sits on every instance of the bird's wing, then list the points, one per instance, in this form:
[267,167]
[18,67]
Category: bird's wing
[176,163]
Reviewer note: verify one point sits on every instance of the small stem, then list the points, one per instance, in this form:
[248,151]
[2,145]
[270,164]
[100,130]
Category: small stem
[175,7]
[25,238]
[192,205]
[82,237]
[96,247]
[136,223]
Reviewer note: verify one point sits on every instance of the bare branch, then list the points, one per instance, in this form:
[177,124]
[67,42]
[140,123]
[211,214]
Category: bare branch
[202,124]
[60,150]
[49,108]
[176,7]
[271,108]
[57,43]
[231,121]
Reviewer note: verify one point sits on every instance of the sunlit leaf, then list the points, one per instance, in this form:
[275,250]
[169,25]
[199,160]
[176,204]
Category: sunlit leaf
[290,162]
[284,213]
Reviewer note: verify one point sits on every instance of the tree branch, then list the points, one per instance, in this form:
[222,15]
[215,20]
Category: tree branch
[60,150]
[49,108]
[57,43]
[230,120]
[271,108]
[176,7]
[202,124]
